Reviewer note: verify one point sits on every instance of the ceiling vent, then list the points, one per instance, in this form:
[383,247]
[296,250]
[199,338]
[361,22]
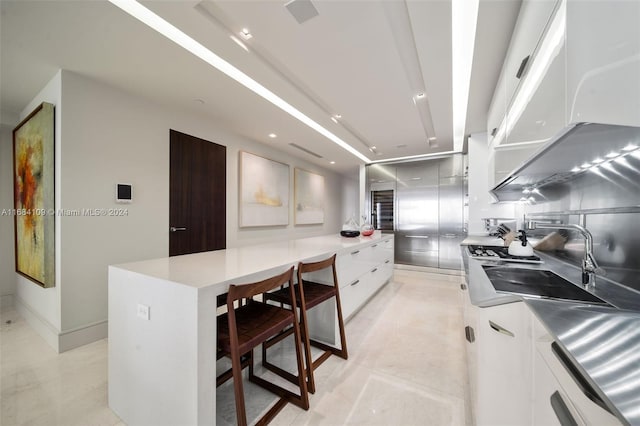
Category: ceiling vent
[305,150]
[302,10]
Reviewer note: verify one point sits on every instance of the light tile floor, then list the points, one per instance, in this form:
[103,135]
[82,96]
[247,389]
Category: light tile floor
[406,367]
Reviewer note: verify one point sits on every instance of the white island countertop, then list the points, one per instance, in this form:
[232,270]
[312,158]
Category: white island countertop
[243,264]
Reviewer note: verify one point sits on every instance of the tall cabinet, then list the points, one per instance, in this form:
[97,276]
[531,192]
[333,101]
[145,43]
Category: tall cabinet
[428,210]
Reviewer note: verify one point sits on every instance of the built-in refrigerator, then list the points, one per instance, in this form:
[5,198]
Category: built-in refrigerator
[428,209]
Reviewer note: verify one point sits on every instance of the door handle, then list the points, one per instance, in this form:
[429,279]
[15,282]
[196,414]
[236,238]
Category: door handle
[416,236]
[500,329]
[469,334]
[561,410]
[175,229]
[523,66]
[577,377]
[463,286]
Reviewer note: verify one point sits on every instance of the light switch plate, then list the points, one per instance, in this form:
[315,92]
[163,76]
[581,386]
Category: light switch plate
[143,311]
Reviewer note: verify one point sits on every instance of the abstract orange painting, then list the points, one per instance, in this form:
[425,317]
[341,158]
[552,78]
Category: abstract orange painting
[34,213]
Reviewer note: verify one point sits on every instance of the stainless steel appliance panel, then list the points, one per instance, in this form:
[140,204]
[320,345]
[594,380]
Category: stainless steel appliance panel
[416,236]
[451,218]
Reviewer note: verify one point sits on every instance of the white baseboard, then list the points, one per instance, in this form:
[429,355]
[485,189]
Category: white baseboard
[44,328]
[7,301]
[82,335]
[65,340]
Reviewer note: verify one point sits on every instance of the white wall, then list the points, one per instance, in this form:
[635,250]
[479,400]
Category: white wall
[7,265]
[109,136]
[480,201]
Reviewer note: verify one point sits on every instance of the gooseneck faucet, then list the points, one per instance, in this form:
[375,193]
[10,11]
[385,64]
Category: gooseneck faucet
[589,264]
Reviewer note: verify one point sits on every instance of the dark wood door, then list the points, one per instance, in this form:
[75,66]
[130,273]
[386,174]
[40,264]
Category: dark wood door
[197,195]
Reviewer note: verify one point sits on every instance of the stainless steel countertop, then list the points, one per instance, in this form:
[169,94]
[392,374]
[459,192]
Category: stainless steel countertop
[603,342]
[605,346]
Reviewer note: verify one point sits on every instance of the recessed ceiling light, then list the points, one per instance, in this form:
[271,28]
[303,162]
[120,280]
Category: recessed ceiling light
[334,120]
[586,165]
[420,95]
[612,154]
[273,135]
[433,138]
[338,116]
[630,147]
[598,160]
[246,34]
[199,101]
[576,169]
[237,41]
[332,162]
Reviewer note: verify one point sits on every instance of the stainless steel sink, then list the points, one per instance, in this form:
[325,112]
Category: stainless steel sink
[537,283]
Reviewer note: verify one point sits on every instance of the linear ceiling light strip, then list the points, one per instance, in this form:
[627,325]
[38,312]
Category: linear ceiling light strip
[464,17]
[149,18]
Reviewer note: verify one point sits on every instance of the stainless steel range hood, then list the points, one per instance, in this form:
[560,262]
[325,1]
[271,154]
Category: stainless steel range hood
[581,148]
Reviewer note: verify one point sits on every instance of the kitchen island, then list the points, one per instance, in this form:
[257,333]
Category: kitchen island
[162,318]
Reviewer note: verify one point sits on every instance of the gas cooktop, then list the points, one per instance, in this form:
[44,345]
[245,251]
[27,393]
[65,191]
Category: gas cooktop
[499,253]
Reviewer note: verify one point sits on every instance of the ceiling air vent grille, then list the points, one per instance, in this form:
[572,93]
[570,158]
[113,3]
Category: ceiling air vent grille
[305,150]
[302,10]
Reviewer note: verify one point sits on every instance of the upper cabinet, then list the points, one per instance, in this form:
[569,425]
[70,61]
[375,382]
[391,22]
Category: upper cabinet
[569,61]
[603,58]
[521,75]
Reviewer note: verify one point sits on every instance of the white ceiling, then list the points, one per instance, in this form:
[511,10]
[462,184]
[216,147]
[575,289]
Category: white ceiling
[364,60]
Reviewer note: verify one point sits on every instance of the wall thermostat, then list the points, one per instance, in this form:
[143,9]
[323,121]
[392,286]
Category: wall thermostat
[124,193]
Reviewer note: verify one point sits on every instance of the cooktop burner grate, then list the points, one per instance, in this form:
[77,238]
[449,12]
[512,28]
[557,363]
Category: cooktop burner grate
[499,253]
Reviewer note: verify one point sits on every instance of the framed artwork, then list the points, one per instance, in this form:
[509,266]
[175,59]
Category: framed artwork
[34,203]
[264,191]
[308,197]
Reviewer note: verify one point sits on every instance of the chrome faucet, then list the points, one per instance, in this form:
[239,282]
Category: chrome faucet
[589,264]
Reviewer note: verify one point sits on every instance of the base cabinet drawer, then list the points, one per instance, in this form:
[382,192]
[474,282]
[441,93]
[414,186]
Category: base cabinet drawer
[353,295]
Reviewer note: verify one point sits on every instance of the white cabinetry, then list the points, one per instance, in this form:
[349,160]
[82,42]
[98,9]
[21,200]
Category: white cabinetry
[470,325]
[503,337]
[603,57]
[583,66]
[571,400]
[361,273]
[551,405]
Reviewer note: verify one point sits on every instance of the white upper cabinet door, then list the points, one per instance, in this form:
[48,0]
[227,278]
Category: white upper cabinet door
[603,54]
[536,112]
[533,20]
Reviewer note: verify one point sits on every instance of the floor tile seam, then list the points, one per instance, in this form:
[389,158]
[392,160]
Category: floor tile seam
[418,384]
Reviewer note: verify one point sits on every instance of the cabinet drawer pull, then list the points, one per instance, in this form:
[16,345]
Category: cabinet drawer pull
[387,261]
[375,245]
[523,66]
[562,411]
[374,270]
[355,252]
[469,334]
[355,282]
[501,329]
[463,286]
[577,377]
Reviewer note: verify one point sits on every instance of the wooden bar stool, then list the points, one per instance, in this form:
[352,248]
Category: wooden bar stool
[308,295]
[244,327]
